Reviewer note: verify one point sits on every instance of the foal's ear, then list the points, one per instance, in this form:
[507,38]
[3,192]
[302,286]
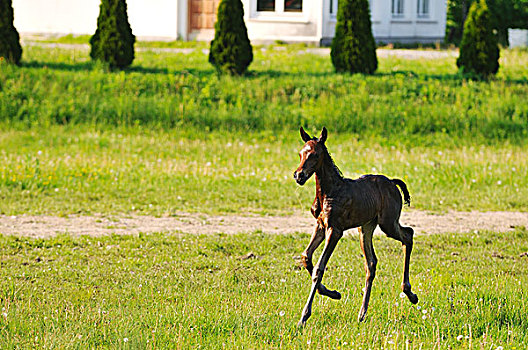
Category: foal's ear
[323,136]
[304,135]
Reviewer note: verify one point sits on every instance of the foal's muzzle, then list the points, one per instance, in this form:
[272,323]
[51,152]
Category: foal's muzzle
[300,177]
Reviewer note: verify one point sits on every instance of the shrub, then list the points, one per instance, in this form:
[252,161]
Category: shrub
[353,46]
[479,50]
[113,41]
[10,48]
[231,51]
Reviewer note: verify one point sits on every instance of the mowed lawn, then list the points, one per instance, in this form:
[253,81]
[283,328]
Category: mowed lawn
[170,136]
[247,291]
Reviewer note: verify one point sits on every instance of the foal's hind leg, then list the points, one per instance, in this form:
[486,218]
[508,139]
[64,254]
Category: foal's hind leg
[365,239]
[405,235]
[317,237]
[407,239]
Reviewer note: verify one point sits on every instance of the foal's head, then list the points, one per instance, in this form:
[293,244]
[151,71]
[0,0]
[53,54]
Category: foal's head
[311,156]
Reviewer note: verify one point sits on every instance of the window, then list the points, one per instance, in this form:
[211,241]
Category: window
[397,8]
[333,8]
[292,5]
[423,8]
[279,6]
[265,5]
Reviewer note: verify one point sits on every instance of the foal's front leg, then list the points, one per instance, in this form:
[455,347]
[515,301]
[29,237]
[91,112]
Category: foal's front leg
[332,237]
[317,237]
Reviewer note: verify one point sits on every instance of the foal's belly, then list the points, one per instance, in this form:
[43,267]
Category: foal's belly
[347,219]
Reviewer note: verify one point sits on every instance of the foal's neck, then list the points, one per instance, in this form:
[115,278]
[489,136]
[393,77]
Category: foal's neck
[327,176]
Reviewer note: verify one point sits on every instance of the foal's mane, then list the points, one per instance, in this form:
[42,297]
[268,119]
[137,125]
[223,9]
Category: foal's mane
[332,164]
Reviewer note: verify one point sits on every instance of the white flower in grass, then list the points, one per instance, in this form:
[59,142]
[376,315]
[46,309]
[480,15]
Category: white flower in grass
[4,314]
[402,295]
[499,182]
[499,348]
[460,337]
[308,342]
[424,317]
[390,342]
[424,311]
[125,340]
[281,313]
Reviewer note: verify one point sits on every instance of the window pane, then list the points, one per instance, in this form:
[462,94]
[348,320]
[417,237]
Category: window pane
[293,5]
[265,5]
[397,7]
[423,8]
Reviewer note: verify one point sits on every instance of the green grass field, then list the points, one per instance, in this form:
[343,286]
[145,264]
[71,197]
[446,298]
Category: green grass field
[67,170]
[185,291]
[412,100]
[169,135]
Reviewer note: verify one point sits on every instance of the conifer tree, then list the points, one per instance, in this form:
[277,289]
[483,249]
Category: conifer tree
[479,50]
[353,46]
[10,49]
[113,41]
[231,50]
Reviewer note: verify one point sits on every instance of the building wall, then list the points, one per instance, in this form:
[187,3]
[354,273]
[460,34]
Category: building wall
[169,19]
[152,19]
[407,28]
[302,26]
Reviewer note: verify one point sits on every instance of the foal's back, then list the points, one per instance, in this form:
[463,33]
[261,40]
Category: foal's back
[366,199]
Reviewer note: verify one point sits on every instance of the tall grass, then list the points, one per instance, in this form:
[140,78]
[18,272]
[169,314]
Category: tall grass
[287,87]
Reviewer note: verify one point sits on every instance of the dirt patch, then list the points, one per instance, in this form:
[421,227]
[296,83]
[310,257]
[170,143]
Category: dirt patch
[422,222]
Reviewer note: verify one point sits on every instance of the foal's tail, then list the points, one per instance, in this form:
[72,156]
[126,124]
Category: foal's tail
[403,188]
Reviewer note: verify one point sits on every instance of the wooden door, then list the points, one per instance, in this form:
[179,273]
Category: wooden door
[203,14]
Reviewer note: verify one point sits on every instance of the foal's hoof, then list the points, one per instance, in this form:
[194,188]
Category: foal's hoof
[413,298]
[362,315]
[332,294]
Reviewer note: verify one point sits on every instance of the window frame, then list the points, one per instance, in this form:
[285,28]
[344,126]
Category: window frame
[419,10]
[280,13]
[332,9]
[399,6]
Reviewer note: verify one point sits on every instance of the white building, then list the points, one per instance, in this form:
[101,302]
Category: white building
[310,21]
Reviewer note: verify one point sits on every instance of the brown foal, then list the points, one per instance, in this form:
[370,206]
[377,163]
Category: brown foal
[341,204]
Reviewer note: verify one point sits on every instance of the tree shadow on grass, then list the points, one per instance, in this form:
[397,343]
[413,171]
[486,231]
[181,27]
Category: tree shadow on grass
[279,74]
[457,78]
[76,67]
[93,66]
